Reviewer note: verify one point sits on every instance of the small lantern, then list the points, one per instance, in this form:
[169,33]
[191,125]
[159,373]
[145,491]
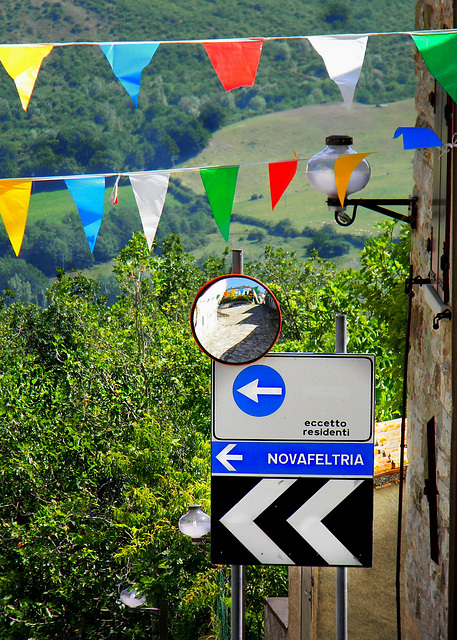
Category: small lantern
[320,170]
[195,523]
[131,598]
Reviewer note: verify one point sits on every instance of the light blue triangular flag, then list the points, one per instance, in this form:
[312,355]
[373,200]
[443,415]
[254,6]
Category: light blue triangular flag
[128,60]
[89,197]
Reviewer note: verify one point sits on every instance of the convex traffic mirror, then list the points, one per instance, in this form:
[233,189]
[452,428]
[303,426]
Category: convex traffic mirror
[235,319]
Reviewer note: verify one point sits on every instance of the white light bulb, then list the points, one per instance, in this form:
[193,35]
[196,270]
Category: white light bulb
[132,598]
[195,523]
[320,170]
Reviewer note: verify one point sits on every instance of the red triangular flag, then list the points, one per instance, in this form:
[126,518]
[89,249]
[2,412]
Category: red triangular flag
[235,62]
[281,175]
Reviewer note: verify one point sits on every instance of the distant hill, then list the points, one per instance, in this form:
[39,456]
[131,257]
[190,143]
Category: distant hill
[54,237]
[301,220]
[80,119]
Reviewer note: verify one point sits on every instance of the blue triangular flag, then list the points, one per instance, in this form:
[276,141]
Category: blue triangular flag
[418,137]
[128,60]
[89,197]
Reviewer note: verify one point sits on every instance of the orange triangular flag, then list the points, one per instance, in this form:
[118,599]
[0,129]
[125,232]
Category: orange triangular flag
[344,166]
[235,62]
[14,206]
[23,65]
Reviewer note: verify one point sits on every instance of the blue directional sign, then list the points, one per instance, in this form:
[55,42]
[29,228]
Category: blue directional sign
[259,390]
[338,460]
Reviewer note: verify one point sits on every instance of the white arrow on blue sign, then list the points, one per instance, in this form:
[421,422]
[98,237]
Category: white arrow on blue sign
[259,390]
[345,460]
[225,457]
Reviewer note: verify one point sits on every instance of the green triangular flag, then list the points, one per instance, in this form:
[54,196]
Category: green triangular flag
[220,185]
[439,51]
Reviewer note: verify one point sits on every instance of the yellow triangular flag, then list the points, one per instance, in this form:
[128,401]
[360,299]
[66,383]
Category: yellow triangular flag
[14,206]
[23,65]
[344,166]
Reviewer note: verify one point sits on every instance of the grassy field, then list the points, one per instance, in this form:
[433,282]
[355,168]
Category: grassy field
[253,143]
[303,131]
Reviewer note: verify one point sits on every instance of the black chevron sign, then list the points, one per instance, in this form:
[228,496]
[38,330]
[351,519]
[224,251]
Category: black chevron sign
[292,521]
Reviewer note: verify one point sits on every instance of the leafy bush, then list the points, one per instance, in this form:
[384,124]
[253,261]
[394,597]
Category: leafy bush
[105,425]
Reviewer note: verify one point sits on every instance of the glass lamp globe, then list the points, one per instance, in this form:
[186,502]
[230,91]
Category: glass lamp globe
[132,598]
[195,523]
[320,170]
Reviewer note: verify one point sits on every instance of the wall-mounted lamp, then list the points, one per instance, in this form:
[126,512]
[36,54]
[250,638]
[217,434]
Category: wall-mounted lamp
[320,172]
[133,599]
[195,523]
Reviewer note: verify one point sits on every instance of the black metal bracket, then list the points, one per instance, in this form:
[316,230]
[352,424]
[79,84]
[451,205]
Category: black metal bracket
[409,282]
[443,315]
[201,542]
[379,206]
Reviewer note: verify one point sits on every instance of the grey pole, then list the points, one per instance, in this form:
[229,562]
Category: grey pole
[237,261]
[237,612]
[237,616]
[341,572]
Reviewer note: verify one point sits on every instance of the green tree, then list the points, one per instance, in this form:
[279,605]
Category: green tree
[380,287]
[95,469]
[313,291]
[105,424]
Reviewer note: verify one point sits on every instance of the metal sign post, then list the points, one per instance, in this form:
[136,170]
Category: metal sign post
[341,572]
[237,614]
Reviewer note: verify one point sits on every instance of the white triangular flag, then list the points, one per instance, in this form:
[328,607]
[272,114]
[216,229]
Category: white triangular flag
[150,193]
[343,56]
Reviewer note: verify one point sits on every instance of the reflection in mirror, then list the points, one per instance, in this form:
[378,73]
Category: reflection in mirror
[235,319]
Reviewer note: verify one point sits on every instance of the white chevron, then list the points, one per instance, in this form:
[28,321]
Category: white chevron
[240,520]
[307,520]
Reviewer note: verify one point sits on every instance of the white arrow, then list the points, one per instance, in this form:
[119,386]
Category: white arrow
[240,520]
[307,520]
[253,391]
[224,457]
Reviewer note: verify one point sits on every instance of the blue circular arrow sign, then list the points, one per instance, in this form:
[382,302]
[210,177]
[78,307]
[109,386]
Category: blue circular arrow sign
[259,390]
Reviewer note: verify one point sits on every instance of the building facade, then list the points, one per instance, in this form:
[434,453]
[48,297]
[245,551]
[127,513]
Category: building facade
[430,496]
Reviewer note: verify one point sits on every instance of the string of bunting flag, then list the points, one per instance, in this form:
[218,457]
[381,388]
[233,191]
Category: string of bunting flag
[235,62]
[150,189]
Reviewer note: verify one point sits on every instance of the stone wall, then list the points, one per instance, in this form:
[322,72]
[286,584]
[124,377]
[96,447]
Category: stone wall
[429,387]
[276,618]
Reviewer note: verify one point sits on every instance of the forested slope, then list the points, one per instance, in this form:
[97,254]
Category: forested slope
[80,118]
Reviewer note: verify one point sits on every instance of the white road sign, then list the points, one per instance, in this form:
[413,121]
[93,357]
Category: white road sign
[295,397]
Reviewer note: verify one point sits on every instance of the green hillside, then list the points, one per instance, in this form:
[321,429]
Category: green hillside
[276,137]
[54,236]
[81,120]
